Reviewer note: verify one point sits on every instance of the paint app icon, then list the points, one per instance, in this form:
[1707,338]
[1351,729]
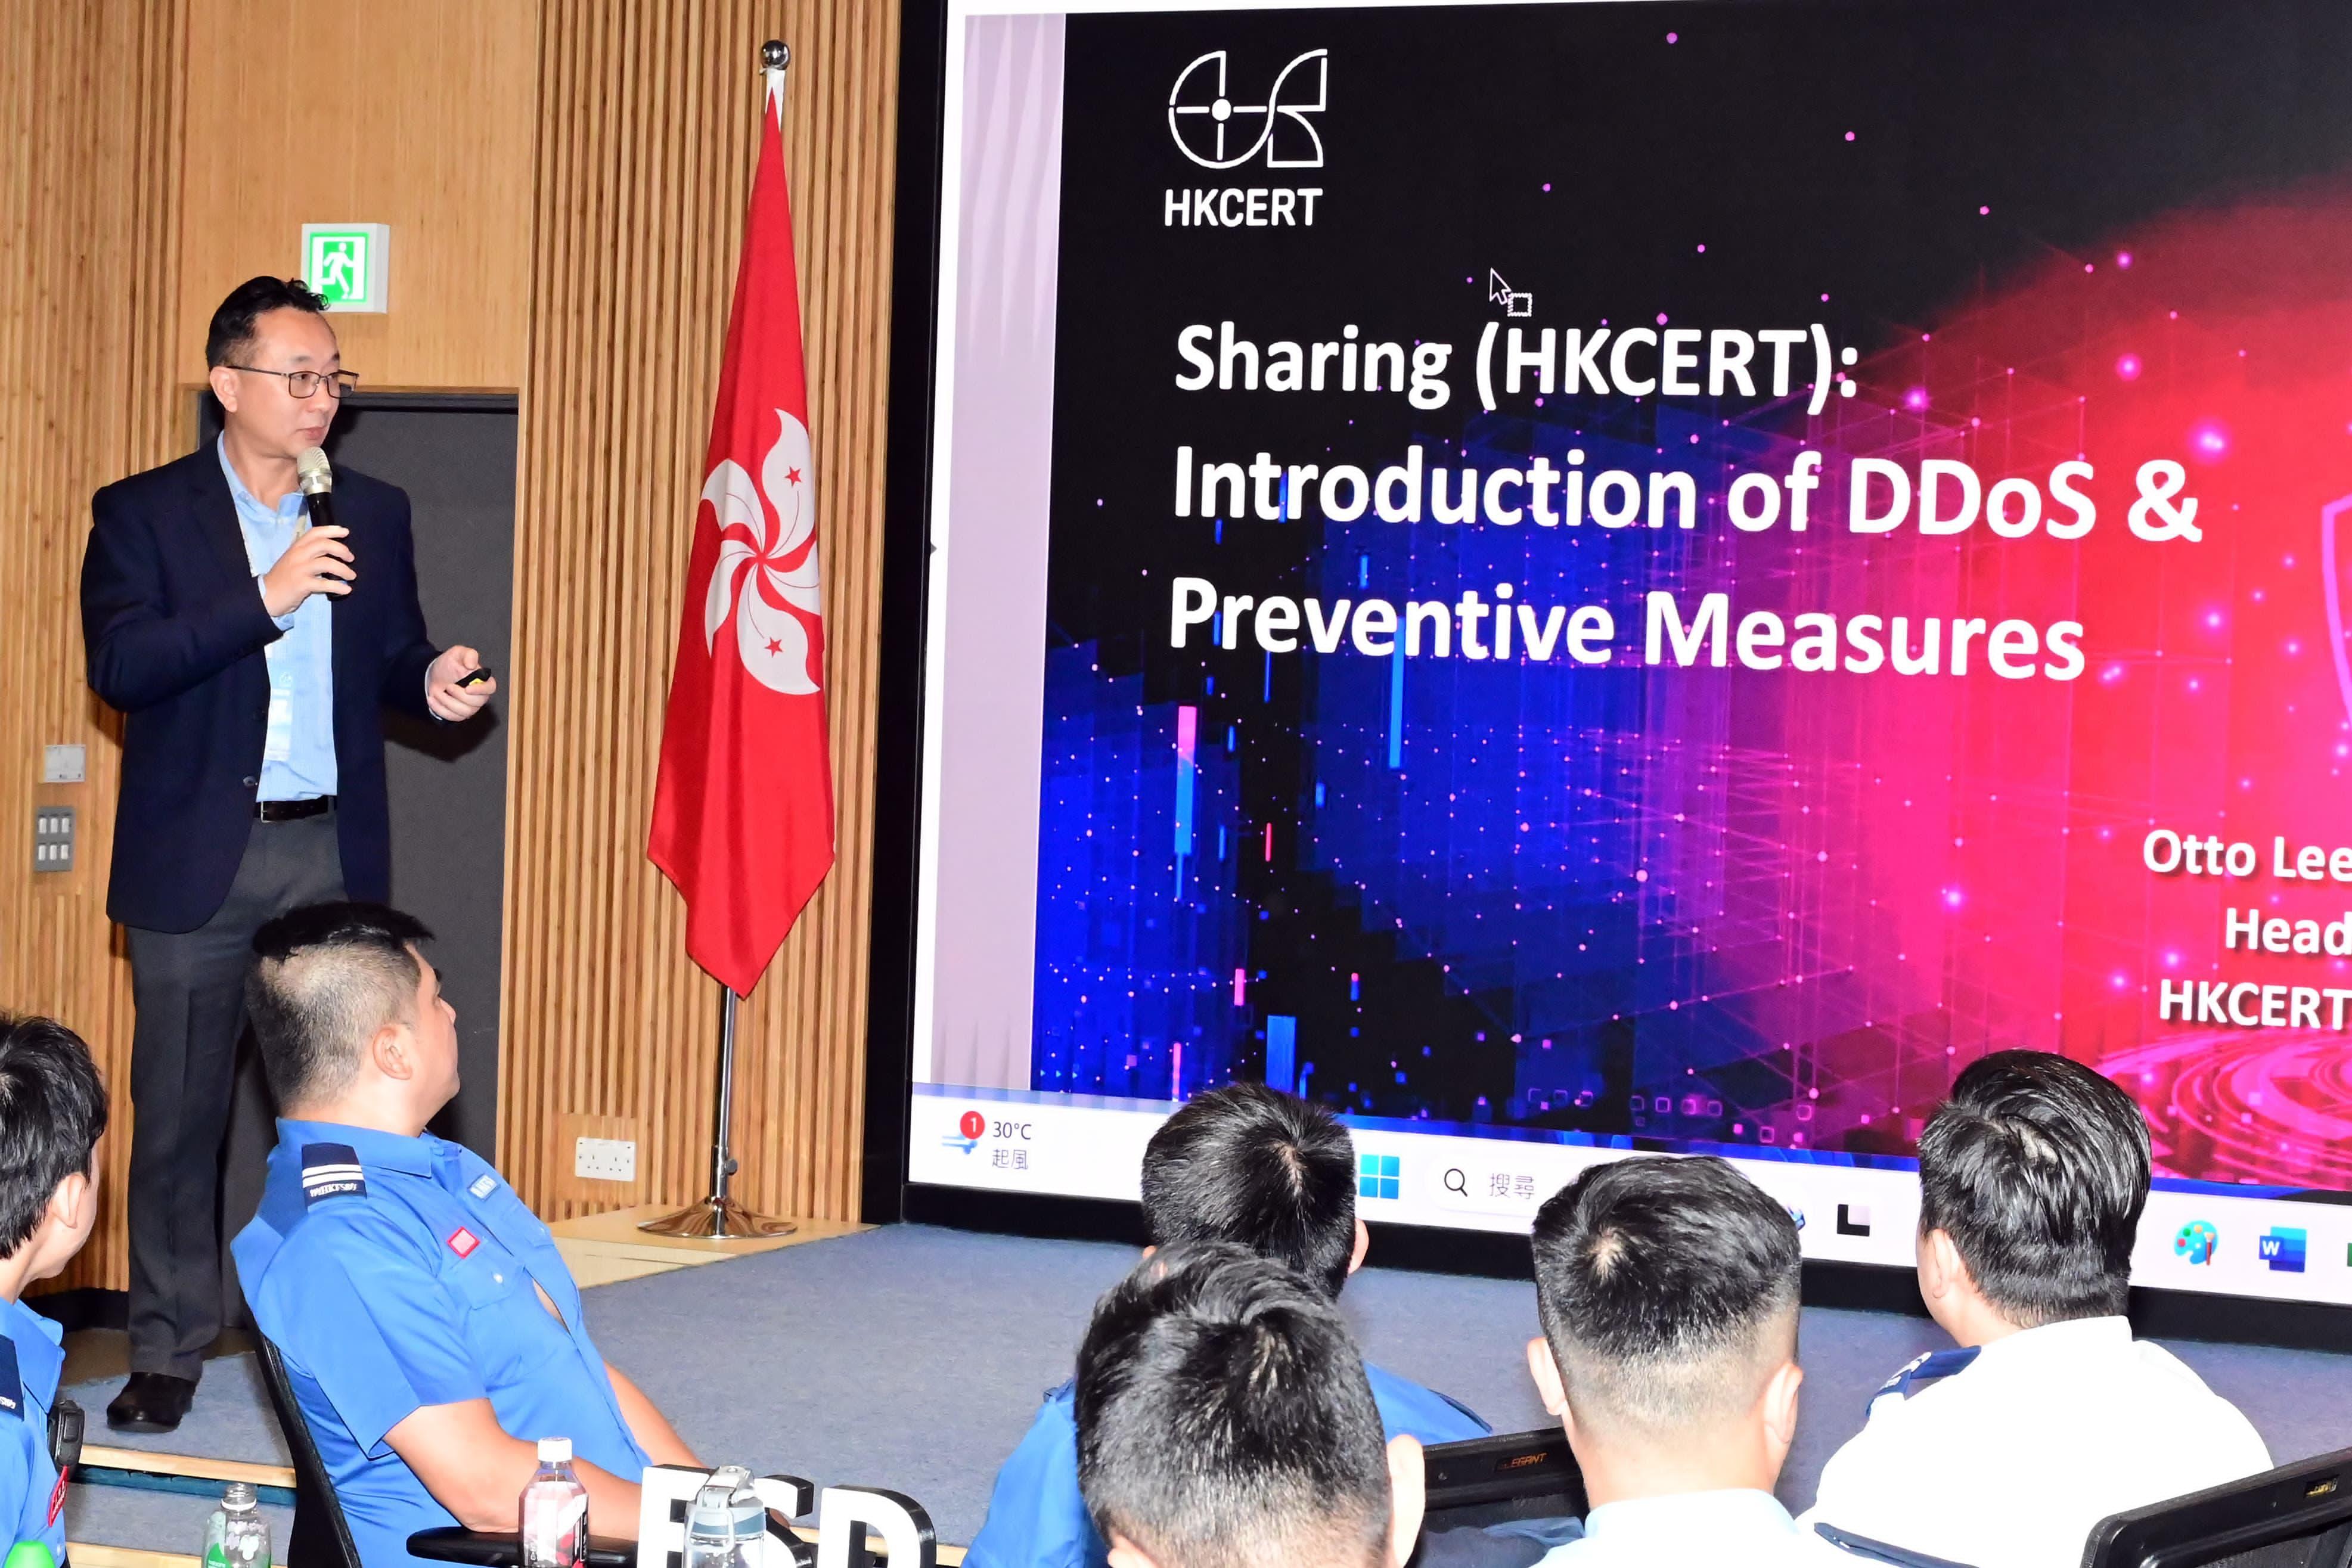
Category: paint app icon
[2195,1241]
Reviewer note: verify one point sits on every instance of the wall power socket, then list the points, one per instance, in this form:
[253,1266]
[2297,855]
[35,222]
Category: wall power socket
[605,1159]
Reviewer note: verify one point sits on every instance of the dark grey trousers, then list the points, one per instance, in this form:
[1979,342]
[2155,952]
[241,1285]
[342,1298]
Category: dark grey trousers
[189,989]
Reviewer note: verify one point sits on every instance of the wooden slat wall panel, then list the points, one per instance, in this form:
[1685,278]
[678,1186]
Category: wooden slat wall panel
[90,139]
[416,113]
[649,117]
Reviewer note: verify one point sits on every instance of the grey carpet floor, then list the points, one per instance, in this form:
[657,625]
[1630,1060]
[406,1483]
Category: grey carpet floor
[913,1357]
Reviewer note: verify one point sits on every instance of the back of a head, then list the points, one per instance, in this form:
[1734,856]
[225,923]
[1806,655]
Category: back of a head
[2037,1168]
[52,1114]
[1668,1292]
[1224,1420]
[1262,1169]
[326,978]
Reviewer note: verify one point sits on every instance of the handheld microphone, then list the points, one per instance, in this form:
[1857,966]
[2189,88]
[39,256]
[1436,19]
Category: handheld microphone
[317,478]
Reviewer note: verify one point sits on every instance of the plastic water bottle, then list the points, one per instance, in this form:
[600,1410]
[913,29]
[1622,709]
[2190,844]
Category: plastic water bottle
[237,1536]
[724,1527]
[555,1510]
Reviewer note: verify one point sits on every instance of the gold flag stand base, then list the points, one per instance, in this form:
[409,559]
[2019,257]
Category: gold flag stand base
[718,1219]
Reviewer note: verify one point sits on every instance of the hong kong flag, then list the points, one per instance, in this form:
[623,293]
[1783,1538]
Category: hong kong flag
[743,807]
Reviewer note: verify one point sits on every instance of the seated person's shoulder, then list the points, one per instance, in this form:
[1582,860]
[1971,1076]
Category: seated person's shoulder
[2181,1406]
[1037,1518]
[1408,1408]
[344,1238]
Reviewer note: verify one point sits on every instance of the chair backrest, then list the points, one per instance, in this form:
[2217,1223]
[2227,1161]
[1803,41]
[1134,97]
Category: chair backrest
[1509,1476]
[2297,1516]
[320,1537]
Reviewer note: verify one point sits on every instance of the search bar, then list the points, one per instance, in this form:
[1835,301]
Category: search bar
[1473,1186]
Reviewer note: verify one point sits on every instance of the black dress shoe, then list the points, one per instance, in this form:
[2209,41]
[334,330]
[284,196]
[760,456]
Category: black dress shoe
[150,1402]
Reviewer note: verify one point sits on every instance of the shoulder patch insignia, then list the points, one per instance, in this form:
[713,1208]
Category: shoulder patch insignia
[12,1386]
[1926,1368]
[463,1241]
[484,1184]
[332,1170]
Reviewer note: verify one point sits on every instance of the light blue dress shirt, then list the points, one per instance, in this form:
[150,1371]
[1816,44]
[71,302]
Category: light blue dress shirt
[393,1273]
[298,759]
[30,1495]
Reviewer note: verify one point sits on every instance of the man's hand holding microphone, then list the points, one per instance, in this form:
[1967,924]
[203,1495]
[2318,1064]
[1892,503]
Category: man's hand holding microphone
[317,561]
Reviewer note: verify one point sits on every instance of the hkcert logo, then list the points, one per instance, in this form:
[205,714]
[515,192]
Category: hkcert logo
[1215,128]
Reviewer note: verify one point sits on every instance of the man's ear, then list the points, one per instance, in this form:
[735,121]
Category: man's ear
[1545,1370]
[74,1204]
[1408,1497]
[223,384]
[390,1052]
[1942,1274]
[1363,1245]
[1126,1553]
[1781,1405]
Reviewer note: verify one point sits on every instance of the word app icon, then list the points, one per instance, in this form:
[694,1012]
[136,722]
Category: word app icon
[2283,1248]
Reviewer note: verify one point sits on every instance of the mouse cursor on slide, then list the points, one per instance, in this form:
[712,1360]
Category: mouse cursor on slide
[1502,294]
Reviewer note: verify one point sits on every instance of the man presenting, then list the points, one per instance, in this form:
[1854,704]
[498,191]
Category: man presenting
[251,656]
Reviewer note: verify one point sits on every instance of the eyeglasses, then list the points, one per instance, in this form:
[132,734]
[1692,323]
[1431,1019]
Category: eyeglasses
[303,383]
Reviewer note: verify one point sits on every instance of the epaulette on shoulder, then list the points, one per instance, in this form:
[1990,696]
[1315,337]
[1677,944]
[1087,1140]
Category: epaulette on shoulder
[1926,1368]
[332,1170]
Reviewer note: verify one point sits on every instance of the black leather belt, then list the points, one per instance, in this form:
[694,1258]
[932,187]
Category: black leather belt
[292,811]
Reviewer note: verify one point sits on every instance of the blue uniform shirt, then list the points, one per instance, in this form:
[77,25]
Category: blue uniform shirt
[393,1273]
[297,753]
[30,1362]
[1036,1519]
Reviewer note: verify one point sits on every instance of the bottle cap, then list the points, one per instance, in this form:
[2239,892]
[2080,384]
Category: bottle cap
[238,1495]
[555,1450]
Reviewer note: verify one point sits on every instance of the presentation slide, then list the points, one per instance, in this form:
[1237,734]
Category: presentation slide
[1570,578]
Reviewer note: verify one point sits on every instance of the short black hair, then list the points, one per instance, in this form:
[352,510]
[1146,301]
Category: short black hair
[2037,1168]
[1224,1420]
[1251,1164]
[52,1112]
[1667,1287]
[230,337]
[326,976]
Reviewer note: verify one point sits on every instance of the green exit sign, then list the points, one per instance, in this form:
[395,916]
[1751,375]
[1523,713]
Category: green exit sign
[349,263]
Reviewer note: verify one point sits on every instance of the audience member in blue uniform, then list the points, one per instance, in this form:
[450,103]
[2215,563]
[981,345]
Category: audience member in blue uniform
[430,1329]
[52,1112]
[1667,1289]
[1247,1165]
[1224,1420]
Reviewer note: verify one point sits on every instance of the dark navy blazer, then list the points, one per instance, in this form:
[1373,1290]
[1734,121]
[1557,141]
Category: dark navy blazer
[174,629]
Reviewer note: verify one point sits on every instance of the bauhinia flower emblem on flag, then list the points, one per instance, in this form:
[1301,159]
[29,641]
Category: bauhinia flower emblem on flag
[767,579]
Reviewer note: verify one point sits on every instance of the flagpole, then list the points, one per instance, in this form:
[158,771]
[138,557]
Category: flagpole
[719,1217]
